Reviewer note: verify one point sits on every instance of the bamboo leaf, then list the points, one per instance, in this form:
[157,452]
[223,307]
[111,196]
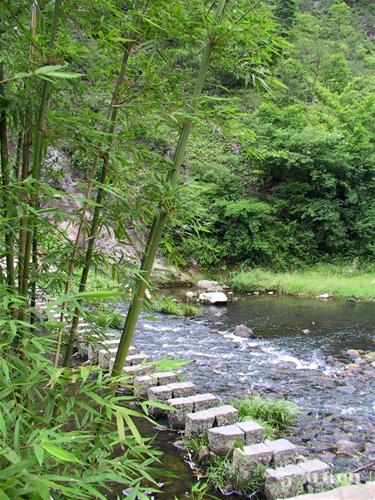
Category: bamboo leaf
[3,427]
[60,453]
[39,453]
[133,429]
[120,426]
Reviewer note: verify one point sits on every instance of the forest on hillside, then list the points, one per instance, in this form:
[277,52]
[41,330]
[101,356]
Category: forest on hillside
[211,134]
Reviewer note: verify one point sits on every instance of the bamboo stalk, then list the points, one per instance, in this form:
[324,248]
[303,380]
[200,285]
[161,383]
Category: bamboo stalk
[31,221]
[26,146]
[5,174]
[160,219]
[113,113]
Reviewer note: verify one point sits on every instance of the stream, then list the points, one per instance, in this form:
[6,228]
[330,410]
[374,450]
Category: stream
[337,419]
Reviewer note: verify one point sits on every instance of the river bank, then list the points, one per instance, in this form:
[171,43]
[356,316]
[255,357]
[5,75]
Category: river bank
[321,280]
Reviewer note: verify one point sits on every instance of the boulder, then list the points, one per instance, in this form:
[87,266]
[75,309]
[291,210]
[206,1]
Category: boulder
[190,295]
[324,296]
[353,353]
[243,331]
[213,298]
[209,285]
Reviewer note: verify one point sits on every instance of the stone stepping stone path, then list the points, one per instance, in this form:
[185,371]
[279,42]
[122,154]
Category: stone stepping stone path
[286,475]
[204,415]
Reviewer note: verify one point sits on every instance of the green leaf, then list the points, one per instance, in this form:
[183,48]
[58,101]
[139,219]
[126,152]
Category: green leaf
[3,427]
[133,429]
[120,426]
[39,453]
[60,453]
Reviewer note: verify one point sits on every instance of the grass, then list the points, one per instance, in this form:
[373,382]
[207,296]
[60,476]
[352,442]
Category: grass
[275,415]
[168,305]
[221,476]
[338,281]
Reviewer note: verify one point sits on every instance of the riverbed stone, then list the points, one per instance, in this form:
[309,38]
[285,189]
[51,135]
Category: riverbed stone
[283,452]
[213,298]
[284,482]
[222,440]
[243,331]
[245,459]
[210,285]
[254,433]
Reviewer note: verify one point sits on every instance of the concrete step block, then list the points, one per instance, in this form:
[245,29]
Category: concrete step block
[141,385]
[245,459]
[283,452]
[222,440]
[284,482]
[317,472]
[164,378]
[159,393]
[173,390]
[183,406]
[133,371]
[254,433]
[199,422]
[144,382]
[182,389]
[136,359]
[205,401]
[224,415]
[93,352]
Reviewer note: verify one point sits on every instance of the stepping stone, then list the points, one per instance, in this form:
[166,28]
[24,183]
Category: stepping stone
[245,459]
[135,359]
[222,440]
[284,452]
[199,422]
[182,389]
[317,474]
[254,433]
[175,389]
[105,356]
[284,482]
[144,382]
[108,344]
[184,405]
[224,415]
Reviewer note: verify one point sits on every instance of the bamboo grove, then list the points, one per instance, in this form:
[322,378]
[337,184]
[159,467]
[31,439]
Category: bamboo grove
[84,85]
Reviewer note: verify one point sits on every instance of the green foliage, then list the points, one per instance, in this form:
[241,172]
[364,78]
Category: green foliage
[286,178]
[56,425]
[341,281]
[169,305]
[274,414]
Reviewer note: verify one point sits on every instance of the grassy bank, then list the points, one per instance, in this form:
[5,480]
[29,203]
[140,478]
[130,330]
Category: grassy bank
[340,282]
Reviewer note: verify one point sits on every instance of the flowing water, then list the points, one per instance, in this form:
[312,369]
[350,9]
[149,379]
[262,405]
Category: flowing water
[282,361]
